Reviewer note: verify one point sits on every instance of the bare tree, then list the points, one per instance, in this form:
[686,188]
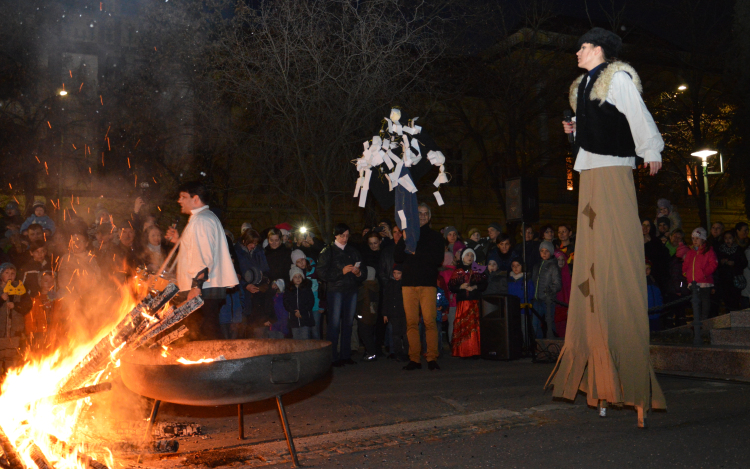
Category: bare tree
[311,80]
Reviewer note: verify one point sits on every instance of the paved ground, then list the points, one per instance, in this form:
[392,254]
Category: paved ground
[470,414]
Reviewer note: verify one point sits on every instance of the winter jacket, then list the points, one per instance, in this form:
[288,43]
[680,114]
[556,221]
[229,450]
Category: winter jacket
[503,260]
[497,283]
[480,247]
[393,307]
[725,273]
[45,221]
[658,254]
[700,265]
[515,288]
[677,284]
[547,280]
[445,275]
[279,261]
[300,298]
[31,275]
[282,317]
[367,302]
[462,275]
[331,265]
[385,266]
[421,268]
[654,294]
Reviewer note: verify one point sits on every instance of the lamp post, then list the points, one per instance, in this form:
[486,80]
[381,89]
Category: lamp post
[703,155]
[62,93]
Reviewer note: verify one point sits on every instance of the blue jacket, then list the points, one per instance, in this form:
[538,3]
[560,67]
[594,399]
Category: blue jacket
[44,220]
[515,287]
[246,260]
[654,295]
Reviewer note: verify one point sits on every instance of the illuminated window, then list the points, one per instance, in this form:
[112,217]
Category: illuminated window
[690,180]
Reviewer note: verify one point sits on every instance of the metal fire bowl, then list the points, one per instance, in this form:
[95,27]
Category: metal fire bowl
[254,369]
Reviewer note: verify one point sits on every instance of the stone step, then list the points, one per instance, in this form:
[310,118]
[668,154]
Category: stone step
[737,336]
[717,361]
[684,334]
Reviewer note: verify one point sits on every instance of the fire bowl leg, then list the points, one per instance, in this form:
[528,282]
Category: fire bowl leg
[241,421]
[148,436]
[287,432]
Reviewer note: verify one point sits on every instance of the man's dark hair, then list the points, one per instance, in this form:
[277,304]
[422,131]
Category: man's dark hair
[250,237]
[740,225]
[340,229]
[34,227]
[195,188]
[502,237]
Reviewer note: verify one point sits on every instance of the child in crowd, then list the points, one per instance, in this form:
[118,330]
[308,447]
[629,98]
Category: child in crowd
[14,302]
[444,277]
[478,244]
[307,264]
[547,283]
[367,314]
[279,329]
[40,218]
[654,299]
[395,316]
[468,282]
[497,281]
[515,281]
[699,266]
[299,302]
[31,272]
[563,296]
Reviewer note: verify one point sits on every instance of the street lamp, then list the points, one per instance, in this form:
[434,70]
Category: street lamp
[682,87]
[63,93]
[703,155]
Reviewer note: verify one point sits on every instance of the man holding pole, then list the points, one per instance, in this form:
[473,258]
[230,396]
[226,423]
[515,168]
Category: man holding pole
[204,266]
[606,351]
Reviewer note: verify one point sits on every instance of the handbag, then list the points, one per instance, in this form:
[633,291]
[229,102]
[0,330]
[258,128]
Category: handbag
[740,282]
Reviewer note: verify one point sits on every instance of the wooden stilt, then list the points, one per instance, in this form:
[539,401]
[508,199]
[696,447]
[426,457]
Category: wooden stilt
[602,408]
[641,417]
[287,432]
[241,421]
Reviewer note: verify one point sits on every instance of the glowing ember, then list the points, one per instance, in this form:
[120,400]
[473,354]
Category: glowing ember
[185,361]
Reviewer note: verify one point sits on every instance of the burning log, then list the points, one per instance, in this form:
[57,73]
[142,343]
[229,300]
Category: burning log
[98,357]
[171,337]
[79,393]
[14,461]
[38,457]
[170,319]
[66,450]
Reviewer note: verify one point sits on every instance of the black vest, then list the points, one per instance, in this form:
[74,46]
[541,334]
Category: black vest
[600,127]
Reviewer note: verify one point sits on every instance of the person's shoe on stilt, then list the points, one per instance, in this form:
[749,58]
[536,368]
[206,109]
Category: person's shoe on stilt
[433,365]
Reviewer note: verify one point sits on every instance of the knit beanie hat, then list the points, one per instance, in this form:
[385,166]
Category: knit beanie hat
[5,266]
[11,206]
[548,246]
[664,203]
[296,255]
[245,226]
[496,226]
[38,203]
[449,229]
[472,231]
[469,251]
[700,232]
[280,284]
[399,267]
[296,271]
[607,40]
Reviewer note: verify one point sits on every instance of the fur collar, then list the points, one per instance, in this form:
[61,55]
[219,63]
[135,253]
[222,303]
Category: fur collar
[600,89]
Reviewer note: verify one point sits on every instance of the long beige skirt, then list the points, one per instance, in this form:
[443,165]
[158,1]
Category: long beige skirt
[606,351]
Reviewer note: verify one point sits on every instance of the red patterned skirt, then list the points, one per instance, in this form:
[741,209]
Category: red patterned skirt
[465,341]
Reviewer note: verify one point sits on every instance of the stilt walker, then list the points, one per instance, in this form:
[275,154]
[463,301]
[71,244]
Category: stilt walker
[606,351]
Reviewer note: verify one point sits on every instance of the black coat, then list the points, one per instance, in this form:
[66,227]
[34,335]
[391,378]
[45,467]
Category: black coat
[393,307]
[421,268]
[465,275]
[331,268]
[279,261]
[301,299]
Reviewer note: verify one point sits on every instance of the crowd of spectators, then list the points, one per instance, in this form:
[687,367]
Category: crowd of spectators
[362,289]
